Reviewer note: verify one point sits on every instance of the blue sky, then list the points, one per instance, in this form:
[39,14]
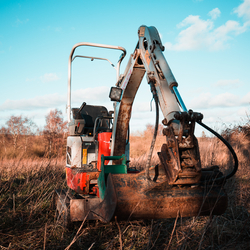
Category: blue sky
[206,41]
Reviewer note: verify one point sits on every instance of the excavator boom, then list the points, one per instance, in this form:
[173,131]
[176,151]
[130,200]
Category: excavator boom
[180,155]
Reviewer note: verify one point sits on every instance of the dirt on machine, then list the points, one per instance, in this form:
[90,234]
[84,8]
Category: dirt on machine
[101,184]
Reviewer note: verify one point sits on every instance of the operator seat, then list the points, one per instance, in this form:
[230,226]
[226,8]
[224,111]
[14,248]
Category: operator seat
[90,113]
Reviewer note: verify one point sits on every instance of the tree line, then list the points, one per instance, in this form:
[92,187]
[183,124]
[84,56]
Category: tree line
[20,136]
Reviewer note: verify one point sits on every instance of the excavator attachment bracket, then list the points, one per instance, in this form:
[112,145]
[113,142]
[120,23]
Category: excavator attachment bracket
[110,169]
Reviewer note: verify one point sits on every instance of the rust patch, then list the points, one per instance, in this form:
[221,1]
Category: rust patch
[147,57]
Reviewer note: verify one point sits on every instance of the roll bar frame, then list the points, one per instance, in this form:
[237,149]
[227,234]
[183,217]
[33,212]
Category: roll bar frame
[71,58]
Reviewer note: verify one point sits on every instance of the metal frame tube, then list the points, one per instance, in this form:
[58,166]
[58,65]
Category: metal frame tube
[70,63]
[178,96]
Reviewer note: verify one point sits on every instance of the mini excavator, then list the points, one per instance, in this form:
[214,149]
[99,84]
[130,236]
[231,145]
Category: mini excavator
[101,184]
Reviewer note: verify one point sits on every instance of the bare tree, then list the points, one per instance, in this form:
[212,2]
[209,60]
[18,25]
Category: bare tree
[55,131]
[18,126]
[4,137]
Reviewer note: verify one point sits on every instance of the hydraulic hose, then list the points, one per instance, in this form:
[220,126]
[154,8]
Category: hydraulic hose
[153,90]
[236,163]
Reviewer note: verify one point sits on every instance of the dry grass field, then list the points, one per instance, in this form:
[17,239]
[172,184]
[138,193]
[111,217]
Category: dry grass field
[27,215]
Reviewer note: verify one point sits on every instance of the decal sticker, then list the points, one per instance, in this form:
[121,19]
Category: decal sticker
[84,156]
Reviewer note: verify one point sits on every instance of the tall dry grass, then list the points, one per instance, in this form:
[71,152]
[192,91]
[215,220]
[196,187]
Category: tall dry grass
[139,147]
[32,146]
[27,215]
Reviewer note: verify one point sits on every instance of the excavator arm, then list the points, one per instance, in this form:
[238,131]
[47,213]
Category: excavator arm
[180,155]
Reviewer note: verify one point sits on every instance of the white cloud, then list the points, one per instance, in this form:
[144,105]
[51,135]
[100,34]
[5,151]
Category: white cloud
[95,96]
[90,94]
[229,28]
[201,101]
[143,107]
[228,83]
[224,100]
[243,10]
[197,34]
[246,99]
[46,101]
[219,116]
[49,77]
[209,101]
[214,13]
[243,112]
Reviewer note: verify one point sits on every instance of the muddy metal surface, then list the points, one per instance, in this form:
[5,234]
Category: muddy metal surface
[132,196]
